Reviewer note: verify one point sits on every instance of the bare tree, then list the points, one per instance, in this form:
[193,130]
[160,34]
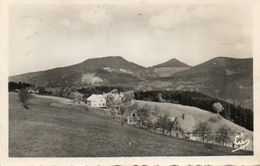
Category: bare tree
[223,135]
[170,126]
[156,110]
[174,125]
[163,122]
[24,97]
[202,130]
[150,124]
[218,107]
[144,113]
[119,102]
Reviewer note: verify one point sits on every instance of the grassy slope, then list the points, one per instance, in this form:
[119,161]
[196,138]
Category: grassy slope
[198,115]
[45,131]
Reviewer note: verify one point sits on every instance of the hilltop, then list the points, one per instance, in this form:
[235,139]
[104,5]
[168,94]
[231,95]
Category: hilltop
[96,71]
[171,63]
[169,68]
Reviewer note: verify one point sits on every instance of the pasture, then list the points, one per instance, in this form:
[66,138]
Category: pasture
[53,127]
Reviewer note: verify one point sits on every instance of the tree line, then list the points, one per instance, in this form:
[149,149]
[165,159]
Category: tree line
[88,91]
[167,126]
[12,86]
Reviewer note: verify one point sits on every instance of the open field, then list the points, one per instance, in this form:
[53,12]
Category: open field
[54,128]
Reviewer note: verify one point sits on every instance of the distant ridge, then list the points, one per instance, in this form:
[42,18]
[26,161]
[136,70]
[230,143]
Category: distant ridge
[225,78]
[109,70]
[229,79]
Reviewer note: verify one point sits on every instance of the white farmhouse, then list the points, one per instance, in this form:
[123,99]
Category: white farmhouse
[96,100]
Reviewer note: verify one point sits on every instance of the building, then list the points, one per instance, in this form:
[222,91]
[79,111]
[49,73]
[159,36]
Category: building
[184,126]
[96,100]
[130,117]
[33,90]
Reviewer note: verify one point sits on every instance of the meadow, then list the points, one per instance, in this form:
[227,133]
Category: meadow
[53,127]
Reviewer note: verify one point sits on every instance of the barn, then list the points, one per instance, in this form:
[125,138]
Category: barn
[96,100]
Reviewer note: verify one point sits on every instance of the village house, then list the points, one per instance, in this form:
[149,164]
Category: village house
[184,126]
[33,90]
[96,100]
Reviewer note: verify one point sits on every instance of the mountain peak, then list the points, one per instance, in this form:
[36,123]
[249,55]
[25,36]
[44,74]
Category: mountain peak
[113,62]
[171,63]
[107,58]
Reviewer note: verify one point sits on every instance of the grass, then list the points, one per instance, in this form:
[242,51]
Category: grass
[194,115]
[48,131]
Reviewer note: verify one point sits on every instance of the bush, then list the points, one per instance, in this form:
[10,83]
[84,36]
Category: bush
[214,119]
[24,97]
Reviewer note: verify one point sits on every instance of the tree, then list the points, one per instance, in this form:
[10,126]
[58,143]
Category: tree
[218,107]
[163,122]
[170,125]
[119,102]
[143,114]
[76,96]
[202,130]
[155,111]
[160,97]
[150,124]
[223,135]
[24,97]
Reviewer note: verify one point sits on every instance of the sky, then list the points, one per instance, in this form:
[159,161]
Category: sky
[47,36]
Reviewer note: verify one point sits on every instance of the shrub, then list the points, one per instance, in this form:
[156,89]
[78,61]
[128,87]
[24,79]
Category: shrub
[24,97]
[214,119]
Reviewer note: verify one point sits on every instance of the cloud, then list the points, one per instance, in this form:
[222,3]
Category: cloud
[94,16]
[68,23]
[204,14]
[169,18]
